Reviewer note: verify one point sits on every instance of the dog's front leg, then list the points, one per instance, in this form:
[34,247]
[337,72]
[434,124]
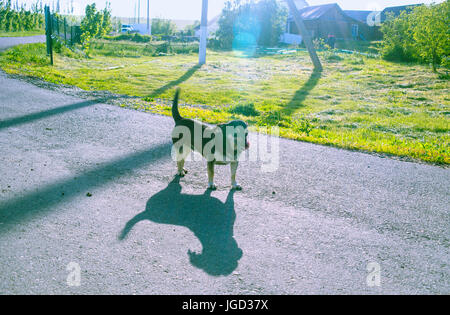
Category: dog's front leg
[181,170]
[211,176]
[234,184]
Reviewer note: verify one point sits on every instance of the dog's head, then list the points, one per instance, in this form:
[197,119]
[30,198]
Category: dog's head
[236,137]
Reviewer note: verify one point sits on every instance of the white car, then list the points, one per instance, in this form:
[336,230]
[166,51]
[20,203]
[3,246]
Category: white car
[127,28]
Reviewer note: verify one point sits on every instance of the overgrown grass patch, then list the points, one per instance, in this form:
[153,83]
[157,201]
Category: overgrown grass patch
[357,102]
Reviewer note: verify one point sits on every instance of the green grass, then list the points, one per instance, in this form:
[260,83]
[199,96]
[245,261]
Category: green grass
[21,34]
[355,103]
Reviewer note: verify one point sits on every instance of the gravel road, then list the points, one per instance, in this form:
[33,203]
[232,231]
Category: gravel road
[7,42]
[91,186]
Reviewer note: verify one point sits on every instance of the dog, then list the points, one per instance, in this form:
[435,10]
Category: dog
[221,144]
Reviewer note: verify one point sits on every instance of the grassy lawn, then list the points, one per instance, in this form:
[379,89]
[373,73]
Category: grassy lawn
[356,103]
[21,34]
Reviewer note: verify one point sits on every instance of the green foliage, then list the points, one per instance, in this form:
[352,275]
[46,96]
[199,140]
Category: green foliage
[114,48]
[430,28]
[247,110]
[250,23]
[301,124]
[95,24]
[273,117]
[136,37]
[31,54]
[397,42]
[163,27]
[422,35]
[19,19]
[189,30]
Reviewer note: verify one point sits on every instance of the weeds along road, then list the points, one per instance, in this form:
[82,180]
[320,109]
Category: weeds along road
[90,187]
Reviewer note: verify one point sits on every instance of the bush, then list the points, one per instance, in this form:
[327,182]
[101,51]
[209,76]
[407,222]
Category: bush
[137,38]
[421,35]
[244,109]
[301,125]
[397,42]
[28,54]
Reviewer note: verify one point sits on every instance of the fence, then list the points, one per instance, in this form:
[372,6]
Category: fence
[70,34]
[57,28]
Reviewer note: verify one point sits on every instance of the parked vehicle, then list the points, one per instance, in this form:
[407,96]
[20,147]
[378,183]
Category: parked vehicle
[127,28]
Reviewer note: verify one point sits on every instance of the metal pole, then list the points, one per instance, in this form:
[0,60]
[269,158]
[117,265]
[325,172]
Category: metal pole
[203,33]
[148,17]
[139,11]
[305,35]
[48,33]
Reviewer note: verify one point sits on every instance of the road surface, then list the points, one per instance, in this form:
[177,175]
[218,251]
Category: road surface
[7,42]
[90,187]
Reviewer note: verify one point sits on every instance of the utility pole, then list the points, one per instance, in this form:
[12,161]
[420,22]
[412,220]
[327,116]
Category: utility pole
[305,35]
[203,33]
[139,11]
[148,17]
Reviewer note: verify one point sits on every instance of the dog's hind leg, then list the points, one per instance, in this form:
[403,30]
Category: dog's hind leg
[234,184]
[181,158]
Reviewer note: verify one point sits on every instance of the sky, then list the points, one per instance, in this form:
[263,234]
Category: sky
[191,9]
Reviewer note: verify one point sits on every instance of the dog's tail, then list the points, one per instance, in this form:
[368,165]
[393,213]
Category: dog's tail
[175,113]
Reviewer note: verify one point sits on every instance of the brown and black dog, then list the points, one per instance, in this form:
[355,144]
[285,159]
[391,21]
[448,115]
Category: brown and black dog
[221,144]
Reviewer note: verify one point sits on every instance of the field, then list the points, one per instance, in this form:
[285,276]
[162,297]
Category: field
[357,102]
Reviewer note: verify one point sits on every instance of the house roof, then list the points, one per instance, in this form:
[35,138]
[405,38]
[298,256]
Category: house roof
[358,15]
[397,10]
[211,22]
[316,11]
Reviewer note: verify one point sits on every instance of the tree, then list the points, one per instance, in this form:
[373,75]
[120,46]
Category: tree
[106,26]
[189,30]
[430,28]
[421,35]
[163,27]
[397,38]
[251,23]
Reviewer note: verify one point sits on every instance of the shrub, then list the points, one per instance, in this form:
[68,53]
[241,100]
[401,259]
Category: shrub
[421,35]
[244,109]
[301,125]
[397,42]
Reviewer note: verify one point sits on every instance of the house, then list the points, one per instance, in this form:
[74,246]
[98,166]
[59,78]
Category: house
[328,20]
[362,16]
[141,28]
[396,11]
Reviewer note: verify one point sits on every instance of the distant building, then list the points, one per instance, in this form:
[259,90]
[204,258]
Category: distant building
[329,20]
[396,11]
[141,28]
[361,16]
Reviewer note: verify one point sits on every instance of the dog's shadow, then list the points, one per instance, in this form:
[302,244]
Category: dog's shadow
[211,220]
